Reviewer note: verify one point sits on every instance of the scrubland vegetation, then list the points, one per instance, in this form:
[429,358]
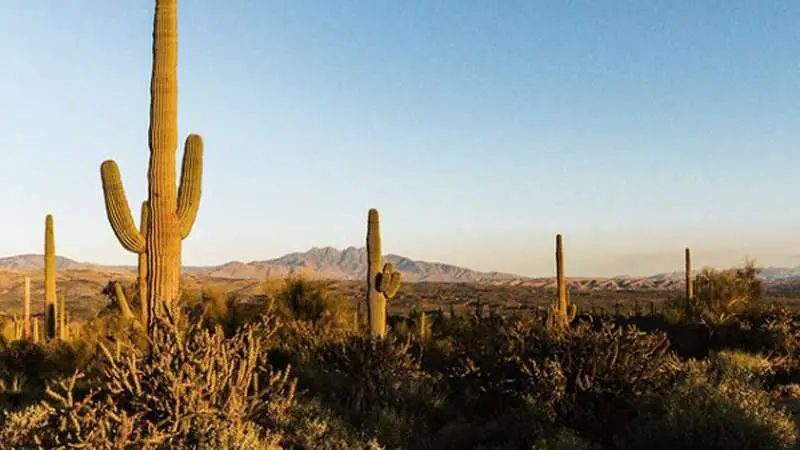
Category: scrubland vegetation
[299,368]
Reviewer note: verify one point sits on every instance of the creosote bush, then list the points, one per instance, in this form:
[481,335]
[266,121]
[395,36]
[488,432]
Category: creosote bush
[719,296]
[714,407]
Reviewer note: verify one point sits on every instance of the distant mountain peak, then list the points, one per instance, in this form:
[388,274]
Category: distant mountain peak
[350,264]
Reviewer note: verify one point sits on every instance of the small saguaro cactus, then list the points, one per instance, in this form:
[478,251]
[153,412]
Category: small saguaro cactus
[18,328]
[688,275]
[423,327]
[62,318]
[26,308]
[383,281]
[562,312]
[50,300]
[35,336]
[171,212]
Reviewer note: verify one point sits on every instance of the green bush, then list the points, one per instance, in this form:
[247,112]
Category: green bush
[706,411]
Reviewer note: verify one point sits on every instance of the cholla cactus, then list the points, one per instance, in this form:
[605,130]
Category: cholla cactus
[381,284]
[562,312]
[171,213]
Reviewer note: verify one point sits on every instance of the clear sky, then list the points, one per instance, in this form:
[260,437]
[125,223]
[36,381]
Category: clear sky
[479,129]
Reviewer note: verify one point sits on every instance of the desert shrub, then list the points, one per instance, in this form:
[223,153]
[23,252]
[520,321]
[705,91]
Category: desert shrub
[719,296]
[192,389]
[512,381]
[706,411]
[735,365]
[26,367]
[376,385]
[311,301]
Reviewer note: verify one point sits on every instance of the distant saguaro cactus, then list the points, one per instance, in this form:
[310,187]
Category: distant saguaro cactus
[35,336]
[50,306]
[170,214]
[688,274]
[62,318]
[382,283]
[562,312]
[18,328]
[26,308]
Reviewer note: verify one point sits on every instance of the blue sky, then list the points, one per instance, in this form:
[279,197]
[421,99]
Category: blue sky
[479,129]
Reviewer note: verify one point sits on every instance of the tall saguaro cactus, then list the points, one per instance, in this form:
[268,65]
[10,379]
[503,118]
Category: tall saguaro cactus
[50,300]
[171,211]
[562,312]
[382,282]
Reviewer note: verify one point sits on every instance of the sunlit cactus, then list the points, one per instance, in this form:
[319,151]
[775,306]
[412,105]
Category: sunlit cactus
[122,302]
[18,328]
[62,318]
[50,300]
[383,281]
[688,275]
[26,308]
[423,327]
[35,336]
[170,212]
[562,312]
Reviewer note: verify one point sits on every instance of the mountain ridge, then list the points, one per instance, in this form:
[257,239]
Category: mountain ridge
[350,264]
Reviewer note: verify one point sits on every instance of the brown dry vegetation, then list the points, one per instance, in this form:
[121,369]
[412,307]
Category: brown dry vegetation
[285,364]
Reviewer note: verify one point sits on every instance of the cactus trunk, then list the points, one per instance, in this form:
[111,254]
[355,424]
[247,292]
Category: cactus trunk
[51,312]
[170,211]
[562,312]
[376,301]
[561,283]
[26,308]
[688,269]
[62,318]
[382,283]
[35,329]
[163,242]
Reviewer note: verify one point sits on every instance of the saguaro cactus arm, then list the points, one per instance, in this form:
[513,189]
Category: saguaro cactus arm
[117,209]
[122,302]
[190,184]
[388,281]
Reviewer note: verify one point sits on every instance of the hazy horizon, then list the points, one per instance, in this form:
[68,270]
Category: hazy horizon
[479,131]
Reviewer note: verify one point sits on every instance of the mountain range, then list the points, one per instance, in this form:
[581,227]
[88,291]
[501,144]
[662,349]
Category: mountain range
[350,264]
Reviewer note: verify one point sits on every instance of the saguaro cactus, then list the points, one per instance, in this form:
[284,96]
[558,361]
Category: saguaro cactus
[688,274]
[35,336]
[26,308]
[62,318]
[562,312]
[50,306]
[122,301]
[170,213]
[382,283]
[18,328]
